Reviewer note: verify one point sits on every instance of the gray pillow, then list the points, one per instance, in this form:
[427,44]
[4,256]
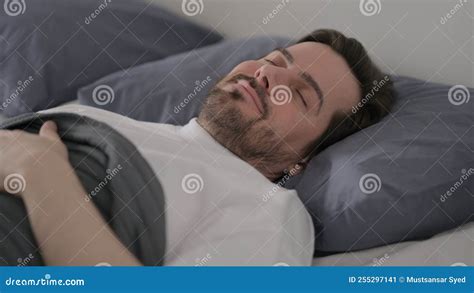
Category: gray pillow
[50,48]
[408,177]
[418,152]
[172,90]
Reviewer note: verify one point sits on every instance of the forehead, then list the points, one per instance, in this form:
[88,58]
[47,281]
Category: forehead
[328,69]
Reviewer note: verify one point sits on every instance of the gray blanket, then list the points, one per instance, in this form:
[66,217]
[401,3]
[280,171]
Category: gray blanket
[117,179]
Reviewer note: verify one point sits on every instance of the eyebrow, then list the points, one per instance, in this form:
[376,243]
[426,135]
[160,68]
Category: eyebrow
[308,78]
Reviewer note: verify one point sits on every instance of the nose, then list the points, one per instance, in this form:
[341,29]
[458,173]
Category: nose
[269,76]
[261,78]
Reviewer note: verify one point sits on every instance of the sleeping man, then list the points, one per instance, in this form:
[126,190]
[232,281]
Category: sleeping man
[218,172]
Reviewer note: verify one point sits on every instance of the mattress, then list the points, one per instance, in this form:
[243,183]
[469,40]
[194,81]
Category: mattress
[451,248]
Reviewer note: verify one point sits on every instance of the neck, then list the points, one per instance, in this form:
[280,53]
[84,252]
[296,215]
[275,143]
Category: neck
[271,173]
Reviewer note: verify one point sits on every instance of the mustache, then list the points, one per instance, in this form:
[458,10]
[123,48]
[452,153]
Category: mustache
[261,93]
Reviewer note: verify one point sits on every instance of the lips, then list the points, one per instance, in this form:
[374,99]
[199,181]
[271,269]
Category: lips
[251,94]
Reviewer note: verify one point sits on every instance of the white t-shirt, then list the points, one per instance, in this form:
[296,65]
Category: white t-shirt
[219,209]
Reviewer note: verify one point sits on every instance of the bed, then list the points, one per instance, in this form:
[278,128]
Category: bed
[438,56]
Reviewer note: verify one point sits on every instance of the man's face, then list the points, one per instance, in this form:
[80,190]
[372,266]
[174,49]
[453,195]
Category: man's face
[269,111]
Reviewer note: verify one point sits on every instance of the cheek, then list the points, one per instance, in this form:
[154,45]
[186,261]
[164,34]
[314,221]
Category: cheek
[285,119]
[289,123]
[289,114]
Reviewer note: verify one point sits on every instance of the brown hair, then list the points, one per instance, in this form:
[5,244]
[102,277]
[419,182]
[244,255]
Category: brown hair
[372,107]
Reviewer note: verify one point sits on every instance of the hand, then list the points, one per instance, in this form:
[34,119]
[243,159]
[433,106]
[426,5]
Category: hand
[24,155]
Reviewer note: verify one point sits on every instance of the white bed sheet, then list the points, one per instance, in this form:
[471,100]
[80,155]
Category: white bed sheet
[450,248]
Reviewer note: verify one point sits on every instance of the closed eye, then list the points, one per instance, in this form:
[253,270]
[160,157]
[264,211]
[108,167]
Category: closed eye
[271,62]
[302,98]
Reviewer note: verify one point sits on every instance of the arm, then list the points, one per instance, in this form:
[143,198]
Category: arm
[68,229]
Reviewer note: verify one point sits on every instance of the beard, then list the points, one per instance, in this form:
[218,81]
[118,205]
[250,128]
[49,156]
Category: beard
[251,139]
